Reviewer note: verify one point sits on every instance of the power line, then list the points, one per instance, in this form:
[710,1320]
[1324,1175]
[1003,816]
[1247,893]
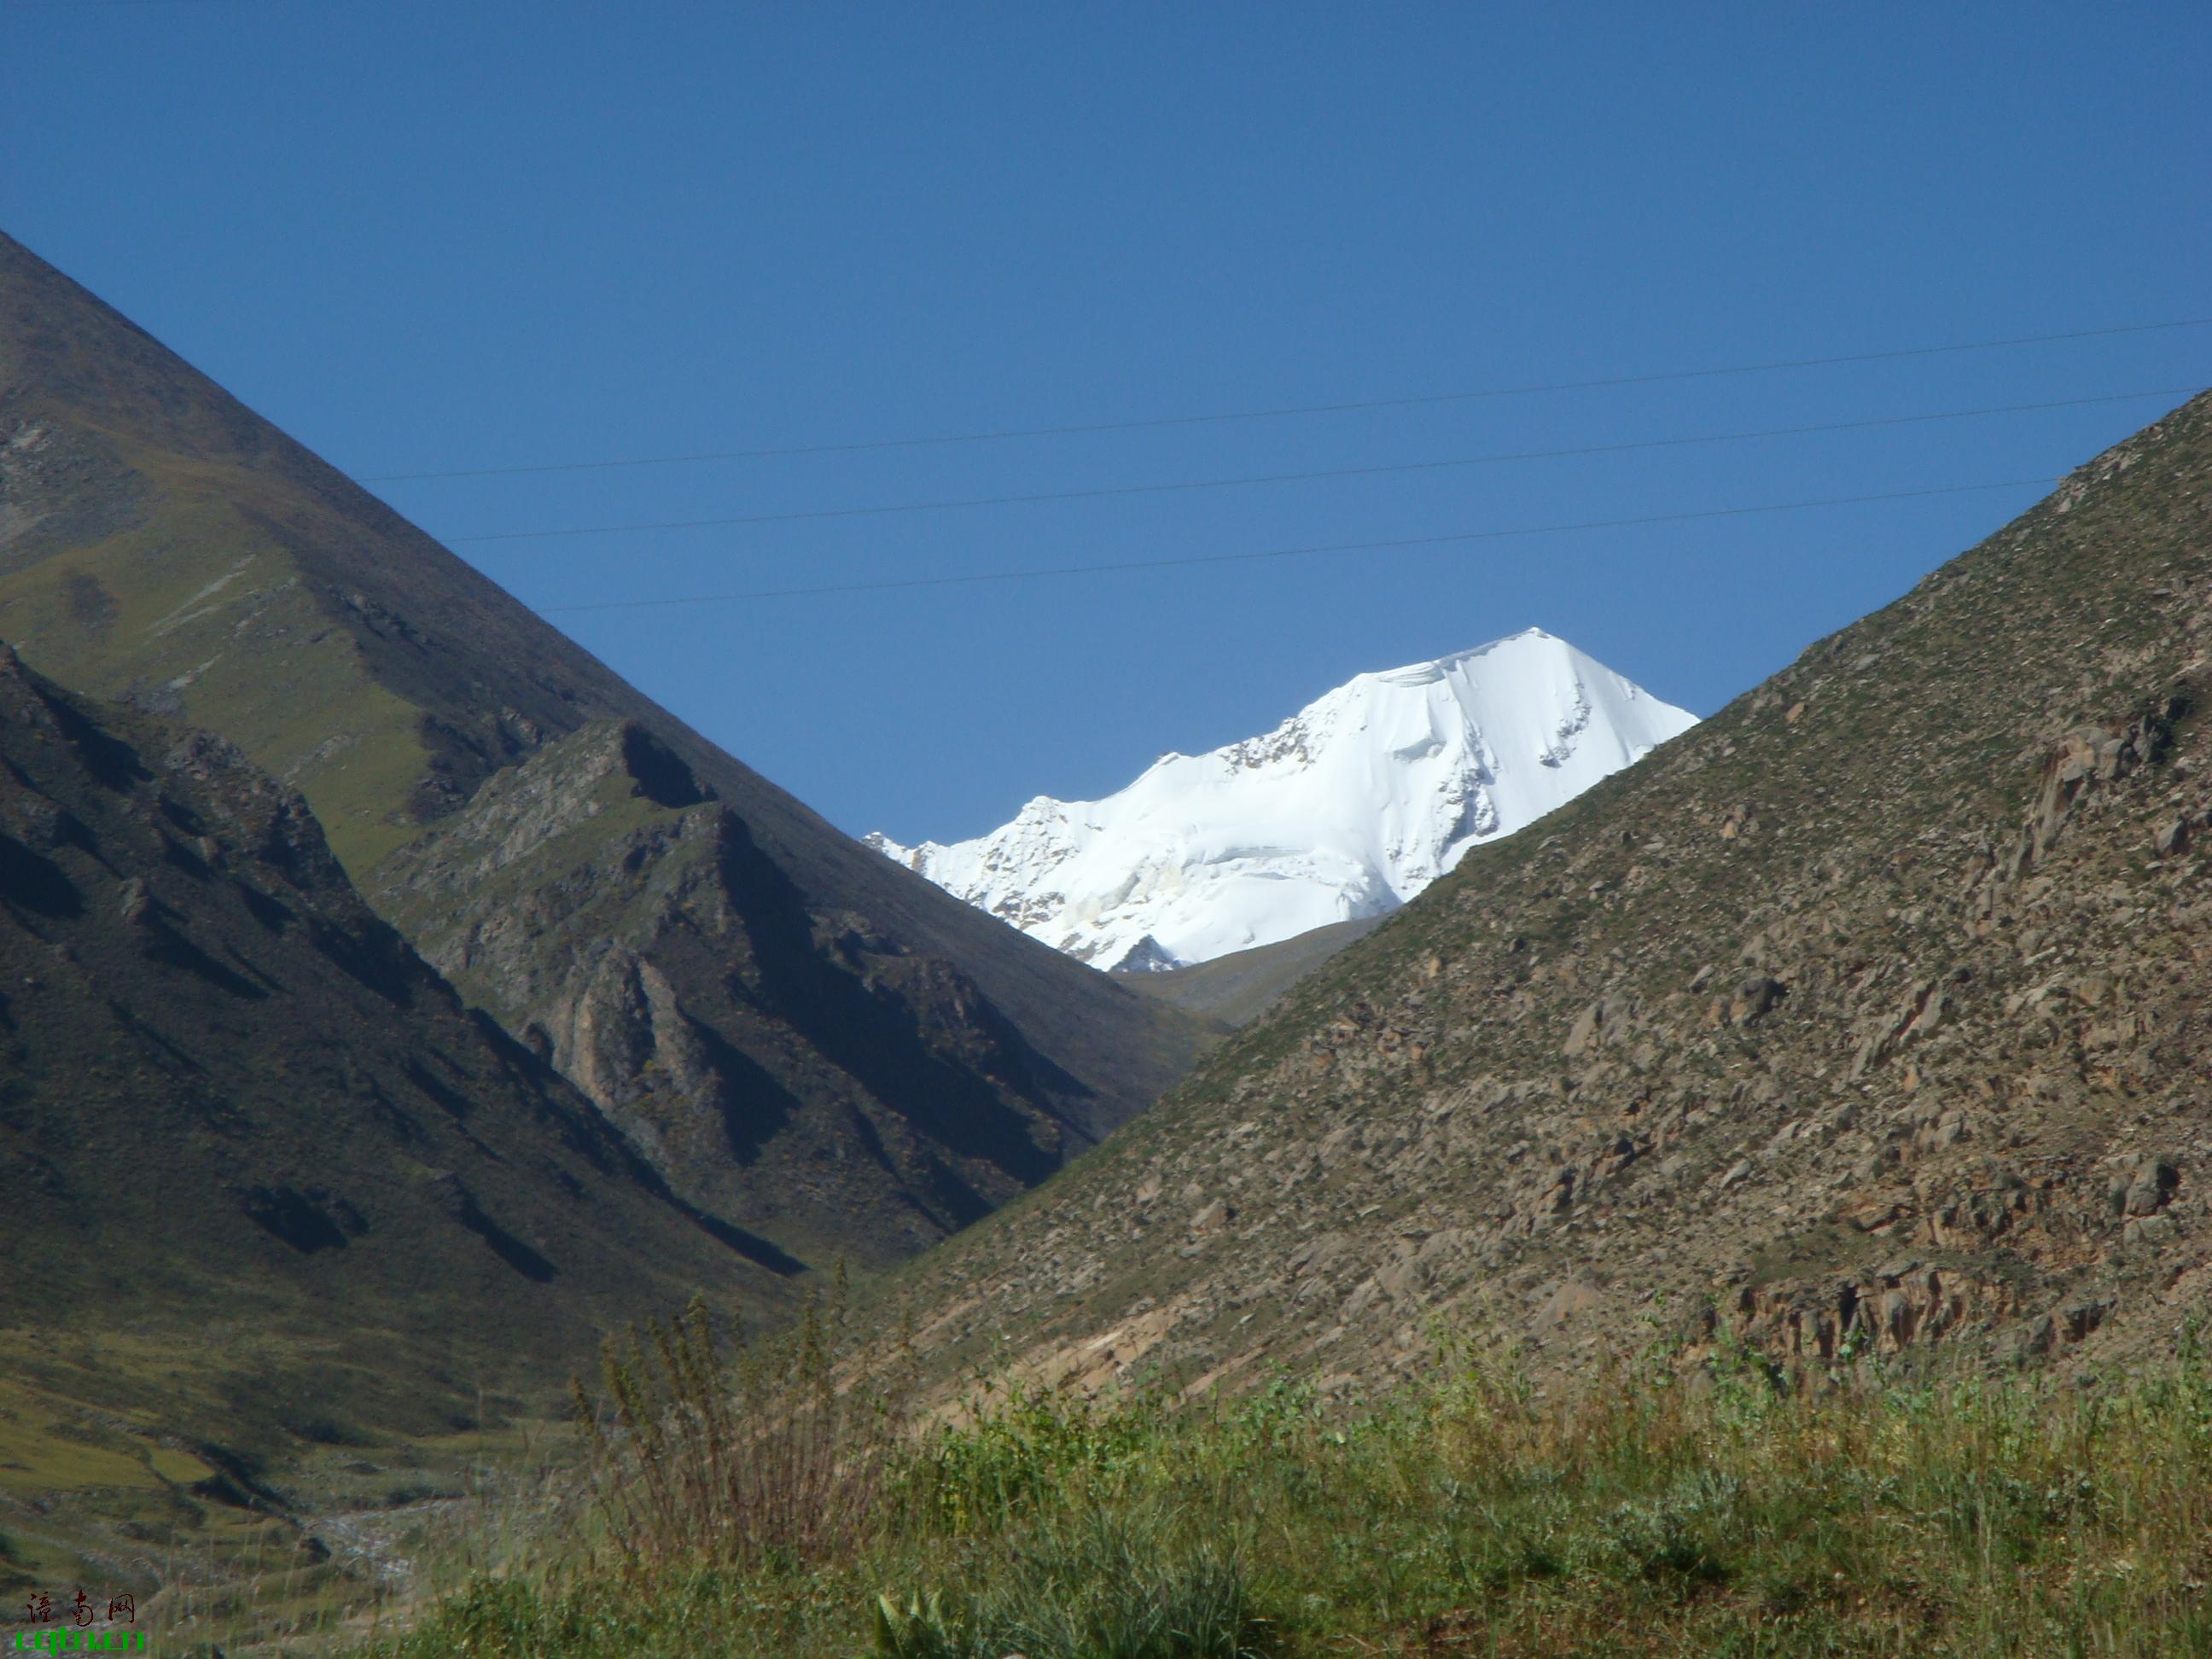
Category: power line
[1400,467]
[1284,552]
[1151,423]
[93,5]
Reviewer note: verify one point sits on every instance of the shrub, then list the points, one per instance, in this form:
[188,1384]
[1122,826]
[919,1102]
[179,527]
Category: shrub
[724,1455]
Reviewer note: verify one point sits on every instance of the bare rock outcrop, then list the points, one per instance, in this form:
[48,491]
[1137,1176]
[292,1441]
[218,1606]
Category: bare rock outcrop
[788,1068]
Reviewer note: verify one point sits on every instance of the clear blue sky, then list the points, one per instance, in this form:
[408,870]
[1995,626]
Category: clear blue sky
[454,235]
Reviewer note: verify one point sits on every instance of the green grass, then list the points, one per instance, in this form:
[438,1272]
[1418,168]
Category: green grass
[1714,1508]
[311,712]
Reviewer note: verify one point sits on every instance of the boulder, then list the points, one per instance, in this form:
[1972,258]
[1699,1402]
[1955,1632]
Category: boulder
[136,904]
[2150,1188]
[1756,998]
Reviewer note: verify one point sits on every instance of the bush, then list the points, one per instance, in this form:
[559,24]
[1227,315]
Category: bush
[726,1457]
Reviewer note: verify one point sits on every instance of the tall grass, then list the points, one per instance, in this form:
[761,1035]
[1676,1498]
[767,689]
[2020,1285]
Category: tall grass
[715,1453]
[1658,1508]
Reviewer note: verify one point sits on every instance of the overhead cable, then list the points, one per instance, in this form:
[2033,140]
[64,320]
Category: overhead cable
[1187,485]
[1317,550]
[1154,422]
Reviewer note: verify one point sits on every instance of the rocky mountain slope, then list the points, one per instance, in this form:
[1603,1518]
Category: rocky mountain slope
[271,1183]
[161,544]
[1344,811]
[1866,1016]
[607,907]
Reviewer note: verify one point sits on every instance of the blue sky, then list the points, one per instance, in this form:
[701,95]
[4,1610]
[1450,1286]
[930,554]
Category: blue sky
[430,237]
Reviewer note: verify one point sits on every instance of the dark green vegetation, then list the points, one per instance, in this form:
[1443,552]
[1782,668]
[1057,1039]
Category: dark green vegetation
[277,1197]
[1674,1509]
[161,545]
[1871,1012]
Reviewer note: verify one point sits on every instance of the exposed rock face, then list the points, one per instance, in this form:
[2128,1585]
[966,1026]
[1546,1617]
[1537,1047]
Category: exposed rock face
[1868,1015]
[789,1068]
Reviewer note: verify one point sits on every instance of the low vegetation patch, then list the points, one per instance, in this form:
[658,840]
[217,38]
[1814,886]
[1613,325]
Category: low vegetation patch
[1669,1508]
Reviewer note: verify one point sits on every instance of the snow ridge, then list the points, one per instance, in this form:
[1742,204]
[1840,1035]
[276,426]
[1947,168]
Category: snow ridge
[1349,808]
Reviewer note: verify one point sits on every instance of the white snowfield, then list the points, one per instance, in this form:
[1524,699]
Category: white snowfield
[1348,809]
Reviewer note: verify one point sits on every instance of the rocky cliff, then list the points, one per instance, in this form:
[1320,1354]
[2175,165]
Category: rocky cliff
[785,1065]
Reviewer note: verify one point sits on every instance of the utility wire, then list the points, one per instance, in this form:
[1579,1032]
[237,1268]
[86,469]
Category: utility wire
[93,5]
[1285,552]
[1187,485]
[1304,476]
[1156,421]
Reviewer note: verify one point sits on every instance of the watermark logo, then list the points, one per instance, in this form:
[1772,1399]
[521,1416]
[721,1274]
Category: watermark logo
[75,1626]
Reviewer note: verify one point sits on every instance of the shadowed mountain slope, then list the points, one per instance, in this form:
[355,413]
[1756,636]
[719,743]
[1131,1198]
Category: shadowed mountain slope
[162,545]
[1868,1015]
[270,1180]
[807,1072]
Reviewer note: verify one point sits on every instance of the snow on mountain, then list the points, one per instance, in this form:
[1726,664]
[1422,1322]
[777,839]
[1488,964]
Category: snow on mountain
[1348,809]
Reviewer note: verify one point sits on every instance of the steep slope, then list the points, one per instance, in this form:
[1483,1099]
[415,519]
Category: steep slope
[1344,811]
[578,891]
[162,545]
[1868,1015]
[272,1182]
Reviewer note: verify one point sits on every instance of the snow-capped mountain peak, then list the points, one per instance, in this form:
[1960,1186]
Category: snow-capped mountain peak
[1348,809]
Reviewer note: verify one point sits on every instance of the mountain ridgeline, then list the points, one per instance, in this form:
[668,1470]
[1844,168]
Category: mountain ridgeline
[1340,814]
[807,1038]
[1867,1016]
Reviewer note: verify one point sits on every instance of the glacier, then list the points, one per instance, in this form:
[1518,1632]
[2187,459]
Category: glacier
[1348,809]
